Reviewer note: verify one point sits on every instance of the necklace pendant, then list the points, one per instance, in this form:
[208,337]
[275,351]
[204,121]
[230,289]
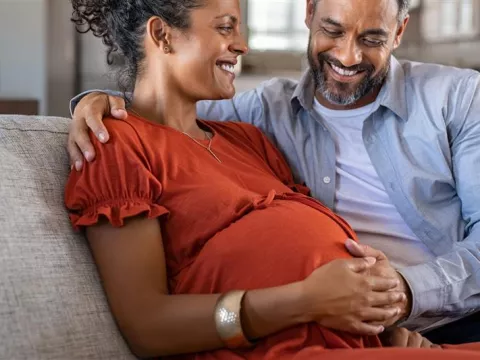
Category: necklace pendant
[208,148]
[215,156]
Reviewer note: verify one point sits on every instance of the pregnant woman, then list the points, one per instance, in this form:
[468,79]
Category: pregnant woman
[206,247]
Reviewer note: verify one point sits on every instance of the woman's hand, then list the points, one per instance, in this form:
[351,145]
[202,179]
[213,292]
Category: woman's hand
[89,114]
[342,295]
[383,268]
[401,337]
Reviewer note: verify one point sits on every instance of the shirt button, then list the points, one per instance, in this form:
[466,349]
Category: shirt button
[327,180]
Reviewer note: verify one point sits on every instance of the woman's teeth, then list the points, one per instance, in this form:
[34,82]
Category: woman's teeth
[228,67]
[343,72]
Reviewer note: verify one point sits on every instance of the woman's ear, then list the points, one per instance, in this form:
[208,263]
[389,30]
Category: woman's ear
[160,34]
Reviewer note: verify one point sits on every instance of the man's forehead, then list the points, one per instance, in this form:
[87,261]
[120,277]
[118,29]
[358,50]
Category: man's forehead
[363,13]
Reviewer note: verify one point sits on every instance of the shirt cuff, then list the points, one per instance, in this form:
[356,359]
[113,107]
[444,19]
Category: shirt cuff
[427,287]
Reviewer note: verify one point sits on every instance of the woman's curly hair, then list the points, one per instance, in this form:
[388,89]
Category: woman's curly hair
[121,25]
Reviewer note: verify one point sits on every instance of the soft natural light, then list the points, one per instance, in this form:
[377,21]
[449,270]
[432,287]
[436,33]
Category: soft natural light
[280,24]
[449,19]
[277,25]
[466,17]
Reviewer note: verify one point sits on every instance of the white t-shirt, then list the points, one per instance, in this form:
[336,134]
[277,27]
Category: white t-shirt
[360,197]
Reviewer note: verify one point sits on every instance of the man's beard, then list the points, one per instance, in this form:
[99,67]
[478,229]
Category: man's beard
[340,93]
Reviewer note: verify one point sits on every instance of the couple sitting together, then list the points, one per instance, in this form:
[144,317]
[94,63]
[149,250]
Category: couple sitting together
[209,247]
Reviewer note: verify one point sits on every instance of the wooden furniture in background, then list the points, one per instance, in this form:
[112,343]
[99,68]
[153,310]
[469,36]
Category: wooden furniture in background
[19,106]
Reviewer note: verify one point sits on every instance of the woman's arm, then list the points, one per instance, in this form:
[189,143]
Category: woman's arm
[131,263]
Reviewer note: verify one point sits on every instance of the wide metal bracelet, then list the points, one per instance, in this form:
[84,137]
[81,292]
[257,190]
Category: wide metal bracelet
[228,320]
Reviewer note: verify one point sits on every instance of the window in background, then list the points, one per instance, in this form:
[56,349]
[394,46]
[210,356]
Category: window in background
[277,25]
[448,18]
[414,4]
[444,20]
[466,23]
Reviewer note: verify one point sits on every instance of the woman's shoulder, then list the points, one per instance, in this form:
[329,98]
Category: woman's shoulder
[129,128]
[126,143]
[132,132]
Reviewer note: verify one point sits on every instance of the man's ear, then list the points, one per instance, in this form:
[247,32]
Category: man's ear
[159,33]
[310,13]
[400,32]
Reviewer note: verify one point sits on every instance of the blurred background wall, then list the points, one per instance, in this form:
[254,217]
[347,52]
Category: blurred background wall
[44,62]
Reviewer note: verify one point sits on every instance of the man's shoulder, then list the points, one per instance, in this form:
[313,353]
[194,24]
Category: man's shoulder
[267,101]
[435,75]
[445,91]
[277,88]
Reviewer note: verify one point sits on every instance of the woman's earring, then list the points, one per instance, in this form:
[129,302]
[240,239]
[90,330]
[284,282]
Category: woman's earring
[166,49]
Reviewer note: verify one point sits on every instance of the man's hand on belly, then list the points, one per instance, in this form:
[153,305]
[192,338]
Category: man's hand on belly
[341,295]
[383,268]
[400,337]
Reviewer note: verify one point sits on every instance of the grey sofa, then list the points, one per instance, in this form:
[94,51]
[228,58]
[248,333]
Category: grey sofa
[51,301]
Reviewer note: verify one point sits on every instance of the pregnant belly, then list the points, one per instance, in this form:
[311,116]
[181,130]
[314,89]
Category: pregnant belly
[275,245]
[279,244]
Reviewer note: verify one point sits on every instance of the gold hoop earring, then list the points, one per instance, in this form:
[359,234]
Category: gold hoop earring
[166,49]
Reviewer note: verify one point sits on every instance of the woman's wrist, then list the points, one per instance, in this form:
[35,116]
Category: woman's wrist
[269,310]
[229,319]
[305,303]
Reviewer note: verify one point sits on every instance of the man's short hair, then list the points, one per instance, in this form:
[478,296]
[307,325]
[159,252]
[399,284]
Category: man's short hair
[403,7]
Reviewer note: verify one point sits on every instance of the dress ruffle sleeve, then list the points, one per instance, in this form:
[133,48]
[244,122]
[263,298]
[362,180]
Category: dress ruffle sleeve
[117,185]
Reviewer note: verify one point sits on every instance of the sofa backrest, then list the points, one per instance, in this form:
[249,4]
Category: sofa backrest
[52,305]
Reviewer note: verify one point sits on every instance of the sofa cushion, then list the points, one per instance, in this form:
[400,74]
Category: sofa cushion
[52,305]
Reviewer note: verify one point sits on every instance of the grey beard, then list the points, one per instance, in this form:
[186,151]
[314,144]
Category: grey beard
[334,98]
[365,88]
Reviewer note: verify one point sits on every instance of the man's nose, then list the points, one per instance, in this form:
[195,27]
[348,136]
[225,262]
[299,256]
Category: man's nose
[349,53]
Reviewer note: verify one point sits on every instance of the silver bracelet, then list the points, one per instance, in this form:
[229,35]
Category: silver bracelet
[228,320]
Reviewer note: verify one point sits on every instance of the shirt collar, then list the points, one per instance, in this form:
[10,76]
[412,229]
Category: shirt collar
[392,95]
[304,93]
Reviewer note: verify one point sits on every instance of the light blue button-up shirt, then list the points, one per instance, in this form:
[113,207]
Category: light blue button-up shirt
[424,142]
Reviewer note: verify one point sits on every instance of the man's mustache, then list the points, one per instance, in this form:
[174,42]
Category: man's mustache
[360,67]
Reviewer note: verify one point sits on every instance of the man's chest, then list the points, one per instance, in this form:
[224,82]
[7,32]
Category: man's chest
[411,161]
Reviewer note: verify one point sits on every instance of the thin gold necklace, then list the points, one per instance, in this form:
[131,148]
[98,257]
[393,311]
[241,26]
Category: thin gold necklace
[209,147]
[207,135]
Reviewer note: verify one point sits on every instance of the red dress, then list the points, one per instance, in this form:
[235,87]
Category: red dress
[238,224]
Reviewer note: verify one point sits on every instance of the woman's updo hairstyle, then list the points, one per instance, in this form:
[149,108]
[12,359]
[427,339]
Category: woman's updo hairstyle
[121,24]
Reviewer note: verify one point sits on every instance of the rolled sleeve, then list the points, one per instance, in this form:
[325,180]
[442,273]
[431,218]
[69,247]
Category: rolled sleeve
[450,284]
[74,102]
[427,288]
[245,107]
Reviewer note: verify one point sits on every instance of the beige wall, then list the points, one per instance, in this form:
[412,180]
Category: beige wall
[61,57]
[37,54]
[22,50]
[94,72]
